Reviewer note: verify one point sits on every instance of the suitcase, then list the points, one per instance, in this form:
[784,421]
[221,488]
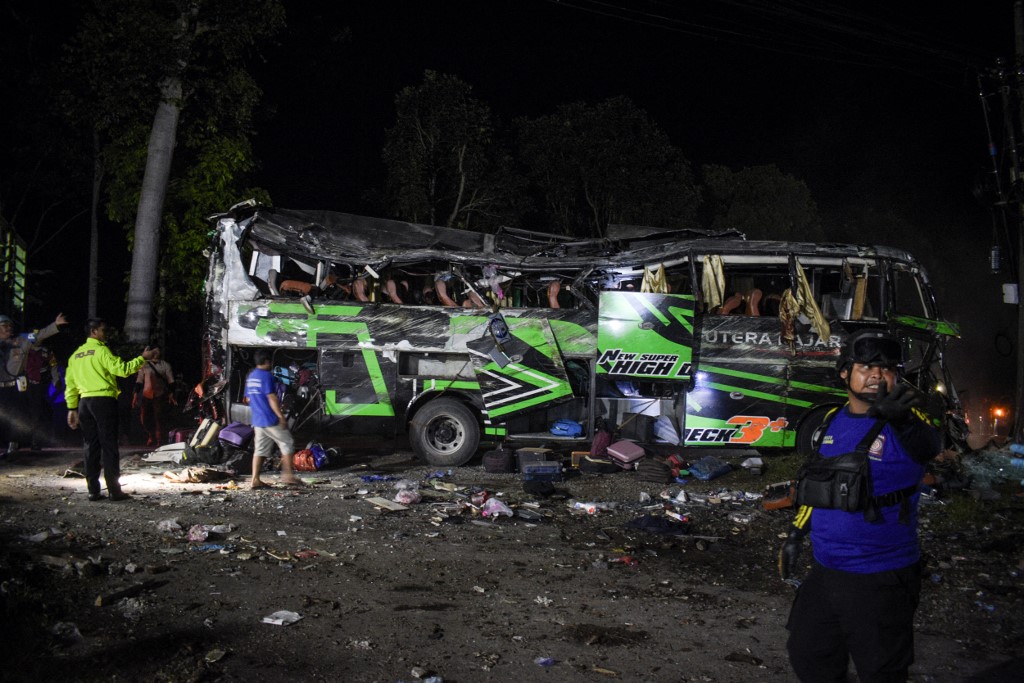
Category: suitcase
[206,435]
[528,455]
[179,435]
[237,434]
[625,454]
[499,461]
[541,470]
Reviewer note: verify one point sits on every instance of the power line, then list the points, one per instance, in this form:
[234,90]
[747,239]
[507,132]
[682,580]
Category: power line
[797,28]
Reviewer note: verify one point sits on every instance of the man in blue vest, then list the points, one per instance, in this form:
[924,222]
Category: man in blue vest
[859,600]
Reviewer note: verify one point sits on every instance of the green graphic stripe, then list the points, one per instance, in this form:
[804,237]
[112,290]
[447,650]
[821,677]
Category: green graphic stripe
[684,316]
[495,431]
[806,386]
[939,326]
[558,389]
[442,384]
[760,394]
[332,407]
[572,338]
[818,388]
[360,331]
[655,312]
[287,308]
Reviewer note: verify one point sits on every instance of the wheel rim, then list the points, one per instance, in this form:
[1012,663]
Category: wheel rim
[445,434]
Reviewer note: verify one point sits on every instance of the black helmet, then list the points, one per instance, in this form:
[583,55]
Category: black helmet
[870,347]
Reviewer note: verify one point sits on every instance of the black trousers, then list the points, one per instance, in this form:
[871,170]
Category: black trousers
[869,618]
[97,418]
[12,415]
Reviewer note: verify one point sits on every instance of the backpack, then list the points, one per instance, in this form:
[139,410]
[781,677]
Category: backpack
[35,363]
[565,427]
[154,384]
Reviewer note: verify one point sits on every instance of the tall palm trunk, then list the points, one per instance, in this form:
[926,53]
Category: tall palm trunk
[94,230]
[146,245]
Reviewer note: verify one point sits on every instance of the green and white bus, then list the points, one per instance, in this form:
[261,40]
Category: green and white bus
[384,331]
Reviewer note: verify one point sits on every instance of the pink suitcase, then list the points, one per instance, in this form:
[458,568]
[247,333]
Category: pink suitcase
[625,454]
[179,435]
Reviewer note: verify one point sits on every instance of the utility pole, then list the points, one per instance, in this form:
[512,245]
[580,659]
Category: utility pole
[1015,193]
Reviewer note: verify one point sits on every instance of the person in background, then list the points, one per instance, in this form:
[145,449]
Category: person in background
[153,385]
[41,372]
[13,383]
[269,422]
[91,395]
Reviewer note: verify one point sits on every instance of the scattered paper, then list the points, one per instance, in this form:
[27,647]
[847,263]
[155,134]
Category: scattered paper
[282,618]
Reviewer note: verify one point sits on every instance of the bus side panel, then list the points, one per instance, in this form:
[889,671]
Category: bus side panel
[645,336]
[753,387]
[530,373]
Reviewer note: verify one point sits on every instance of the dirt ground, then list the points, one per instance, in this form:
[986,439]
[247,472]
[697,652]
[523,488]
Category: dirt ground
[116,591]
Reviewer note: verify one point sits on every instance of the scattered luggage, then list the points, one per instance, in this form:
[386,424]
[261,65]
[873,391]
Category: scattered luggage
[203,447]
[625,454]
[499,461]
[237,434]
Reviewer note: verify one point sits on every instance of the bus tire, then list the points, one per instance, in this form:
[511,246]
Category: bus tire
[810,424]
[445,433]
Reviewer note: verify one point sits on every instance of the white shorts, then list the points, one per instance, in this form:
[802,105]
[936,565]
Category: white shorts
[268,437]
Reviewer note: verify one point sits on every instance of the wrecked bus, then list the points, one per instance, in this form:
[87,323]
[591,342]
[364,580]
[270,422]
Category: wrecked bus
[390,330]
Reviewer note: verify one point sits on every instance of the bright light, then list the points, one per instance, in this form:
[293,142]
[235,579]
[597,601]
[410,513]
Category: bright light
[940,387]
[998,412]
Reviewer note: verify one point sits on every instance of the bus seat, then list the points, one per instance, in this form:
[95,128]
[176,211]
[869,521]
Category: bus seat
[730,304]
[359,289]
[554,287]
[753,301]
[392,291]
[441,288]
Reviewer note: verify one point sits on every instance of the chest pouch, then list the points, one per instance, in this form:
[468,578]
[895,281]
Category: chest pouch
[842,482]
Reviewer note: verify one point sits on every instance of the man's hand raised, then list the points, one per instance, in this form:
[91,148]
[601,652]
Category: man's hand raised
[895,406]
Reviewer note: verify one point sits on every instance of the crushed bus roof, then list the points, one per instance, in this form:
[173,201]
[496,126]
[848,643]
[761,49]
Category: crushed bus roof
[359,240]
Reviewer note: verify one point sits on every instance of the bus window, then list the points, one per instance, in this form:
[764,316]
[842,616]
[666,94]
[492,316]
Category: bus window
[435,366]
[846,290]
[910,298]
[751,289]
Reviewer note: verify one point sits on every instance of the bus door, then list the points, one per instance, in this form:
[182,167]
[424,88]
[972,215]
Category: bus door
[518,366]
[645,359]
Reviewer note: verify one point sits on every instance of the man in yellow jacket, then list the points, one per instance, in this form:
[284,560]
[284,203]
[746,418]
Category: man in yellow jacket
[91,395]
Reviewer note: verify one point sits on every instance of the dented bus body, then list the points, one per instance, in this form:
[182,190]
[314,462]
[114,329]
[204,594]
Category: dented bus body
[384,330]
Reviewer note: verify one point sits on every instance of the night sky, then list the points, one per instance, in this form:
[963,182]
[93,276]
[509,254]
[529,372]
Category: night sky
[868,106]
[871,104]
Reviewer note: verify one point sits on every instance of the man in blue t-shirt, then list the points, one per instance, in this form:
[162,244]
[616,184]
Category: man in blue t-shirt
[859,600]
[269,422]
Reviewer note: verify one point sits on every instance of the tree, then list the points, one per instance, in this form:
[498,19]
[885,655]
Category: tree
[183,62]
[762,202]
[608,163]
[444,166]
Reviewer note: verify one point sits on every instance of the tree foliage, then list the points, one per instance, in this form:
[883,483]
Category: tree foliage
[609,163]
[444,165]
[188,58]
[762,202]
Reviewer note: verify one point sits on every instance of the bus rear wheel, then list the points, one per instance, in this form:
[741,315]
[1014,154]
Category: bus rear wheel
[445,433]
[810,424]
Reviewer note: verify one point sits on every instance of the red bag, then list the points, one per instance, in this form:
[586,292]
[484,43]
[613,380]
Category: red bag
[599,446]
[304,461]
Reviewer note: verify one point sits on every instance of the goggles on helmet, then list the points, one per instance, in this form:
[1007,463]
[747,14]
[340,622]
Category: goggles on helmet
[881,350]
